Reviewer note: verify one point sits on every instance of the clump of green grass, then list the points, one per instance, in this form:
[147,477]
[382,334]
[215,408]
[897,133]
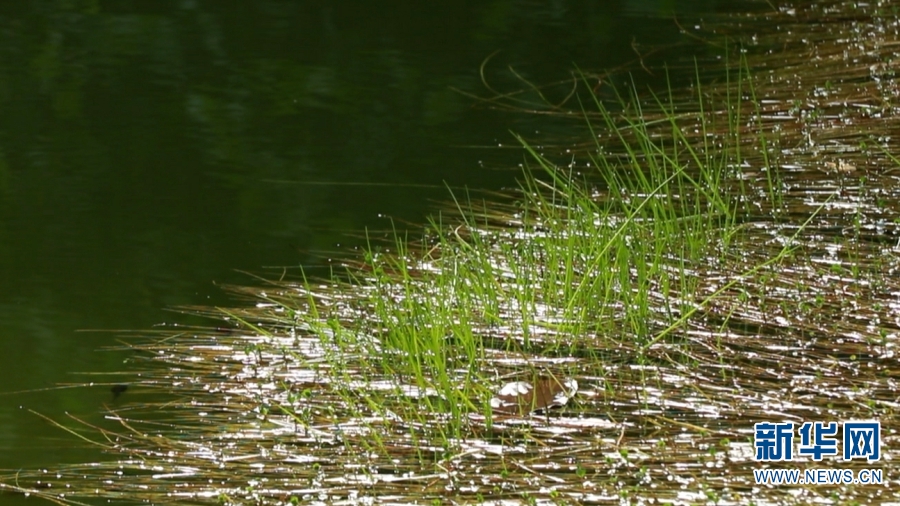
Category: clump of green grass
[571,276]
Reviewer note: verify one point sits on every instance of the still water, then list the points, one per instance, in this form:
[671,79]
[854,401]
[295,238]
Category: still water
[152,149]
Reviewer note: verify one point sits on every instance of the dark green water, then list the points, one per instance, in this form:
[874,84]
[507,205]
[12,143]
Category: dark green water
[148,149]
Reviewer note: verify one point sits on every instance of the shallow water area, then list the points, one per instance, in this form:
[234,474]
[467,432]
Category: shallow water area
[709,258]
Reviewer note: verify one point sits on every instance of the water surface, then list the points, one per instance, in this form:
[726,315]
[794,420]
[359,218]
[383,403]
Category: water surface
[149,150]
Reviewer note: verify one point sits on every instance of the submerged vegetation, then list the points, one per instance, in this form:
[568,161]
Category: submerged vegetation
[711,258]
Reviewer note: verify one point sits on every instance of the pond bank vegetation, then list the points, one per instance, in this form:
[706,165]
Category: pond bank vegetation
[711,257]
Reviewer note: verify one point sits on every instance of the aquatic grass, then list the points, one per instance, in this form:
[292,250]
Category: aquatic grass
[418,327]
[657,203]
[420,312]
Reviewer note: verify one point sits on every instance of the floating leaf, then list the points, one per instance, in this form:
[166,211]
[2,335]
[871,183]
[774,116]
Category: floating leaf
[522,397]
